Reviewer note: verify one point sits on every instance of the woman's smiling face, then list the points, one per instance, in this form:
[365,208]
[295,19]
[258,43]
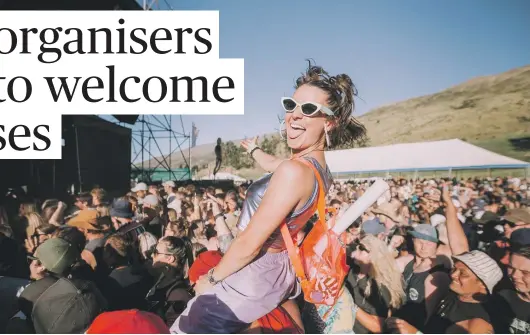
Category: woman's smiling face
[305,131]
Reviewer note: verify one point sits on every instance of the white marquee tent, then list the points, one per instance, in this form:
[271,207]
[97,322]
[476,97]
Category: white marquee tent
[423,156]
[224,176]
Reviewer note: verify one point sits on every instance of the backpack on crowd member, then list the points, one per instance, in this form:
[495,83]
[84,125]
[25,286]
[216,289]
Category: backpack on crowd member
[320,261]
[170,305]
[67,306]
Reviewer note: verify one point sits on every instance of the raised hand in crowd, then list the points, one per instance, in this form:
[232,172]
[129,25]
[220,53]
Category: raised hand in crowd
[214,205]
[31,244]
[215,200]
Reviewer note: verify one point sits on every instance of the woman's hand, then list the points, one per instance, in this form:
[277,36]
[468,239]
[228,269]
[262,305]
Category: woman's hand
[402,326]
[250,143]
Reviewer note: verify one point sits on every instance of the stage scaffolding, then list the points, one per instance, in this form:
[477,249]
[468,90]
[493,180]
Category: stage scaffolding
[151,136]
[151,130]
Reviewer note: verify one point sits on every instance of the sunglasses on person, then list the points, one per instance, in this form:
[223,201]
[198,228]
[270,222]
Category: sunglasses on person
[156,252]
[307,108]
[30,259]
[361,246]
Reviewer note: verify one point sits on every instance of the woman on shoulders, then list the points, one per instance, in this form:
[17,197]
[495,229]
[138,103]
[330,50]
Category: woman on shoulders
[255,274]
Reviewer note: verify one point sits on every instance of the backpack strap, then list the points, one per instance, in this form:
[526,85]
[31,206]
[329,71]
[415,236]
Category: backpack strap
[292,250]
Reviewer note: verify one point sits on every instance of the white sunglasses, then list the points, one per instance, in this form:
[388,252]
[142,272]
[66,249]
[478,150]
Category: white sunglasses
[307,108]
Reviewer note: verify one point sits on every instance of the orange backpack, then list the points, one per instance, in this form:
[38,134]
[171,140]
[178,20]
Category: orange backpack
[321,274]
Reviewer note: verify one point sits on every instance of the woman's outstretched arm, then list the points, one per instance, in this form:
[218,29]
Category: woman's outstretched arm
[267,162]
[289,186]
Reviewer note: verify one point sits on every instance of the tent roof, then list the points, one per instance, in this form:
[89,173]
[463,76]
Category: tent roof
[223,176]
[423,156]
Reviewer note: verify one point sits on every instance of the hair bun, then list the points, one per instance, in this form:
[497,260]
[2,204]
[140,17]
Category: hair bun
[341,91]
[345,86]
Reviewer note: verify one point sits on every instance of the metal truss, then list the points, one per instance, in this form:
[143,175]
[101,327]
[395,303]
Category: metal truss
[150,134]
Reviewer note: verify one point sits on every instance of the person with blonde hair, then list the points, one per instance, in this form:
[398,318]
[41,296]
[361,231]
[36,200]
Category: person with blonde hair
[34,221]
[375,283]
[26,208]
[176,228]
[98,196]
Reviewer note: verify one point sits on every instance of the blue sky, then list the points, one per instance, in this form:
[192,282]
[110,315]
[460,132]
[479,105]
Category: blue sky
[393,50]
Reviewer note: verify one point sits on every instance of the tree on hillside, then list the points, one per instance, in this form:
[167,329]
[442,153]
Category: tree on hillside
[235,156]
[267,146]
[359,144]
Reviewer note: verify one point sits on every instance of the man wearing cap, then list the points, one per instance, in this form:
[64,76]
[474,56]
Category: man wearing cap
[169,188]
[513,305]
[425,274]
[54,256]
[141,190]
[47,303]
[517,218]
[514,220]
[122,218]
[466,307]
[95,229]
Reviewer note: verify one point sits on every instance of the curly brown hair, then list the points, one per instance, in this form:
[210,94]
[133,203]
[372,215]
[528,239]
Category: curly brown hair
[341,92]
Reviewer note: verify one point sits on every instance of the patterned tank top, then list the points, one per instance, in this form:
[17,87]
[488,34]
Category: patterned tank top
[294,220]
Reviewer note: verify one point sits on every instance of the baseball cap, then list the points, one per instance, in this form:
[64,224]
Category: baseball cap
[121,208]
[373,227]
[86,219]
[169,183]
[67,307]
[204,262]
[176,205]
[437,219]
[151,200]
[479,205]
[520,238]
[425,232]
[128,322]
[517,215]
[139,187]
[485,217]
[483,266]
[56,255]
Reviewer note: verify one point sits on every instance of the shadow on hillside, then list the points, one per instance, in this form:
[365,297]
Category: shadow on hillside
[520,144]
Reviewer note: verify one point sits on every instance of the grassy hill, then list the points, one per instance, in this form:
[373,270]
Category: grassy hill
[492,112]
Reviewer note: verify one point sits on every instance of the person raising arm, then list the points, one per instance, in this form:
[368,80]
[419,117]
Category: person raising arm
[267,162]
[256,275]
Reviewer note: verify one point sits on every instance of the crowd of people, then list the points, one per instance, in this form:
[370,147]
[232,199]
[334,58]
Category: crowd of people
[421,258]
[429,256]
